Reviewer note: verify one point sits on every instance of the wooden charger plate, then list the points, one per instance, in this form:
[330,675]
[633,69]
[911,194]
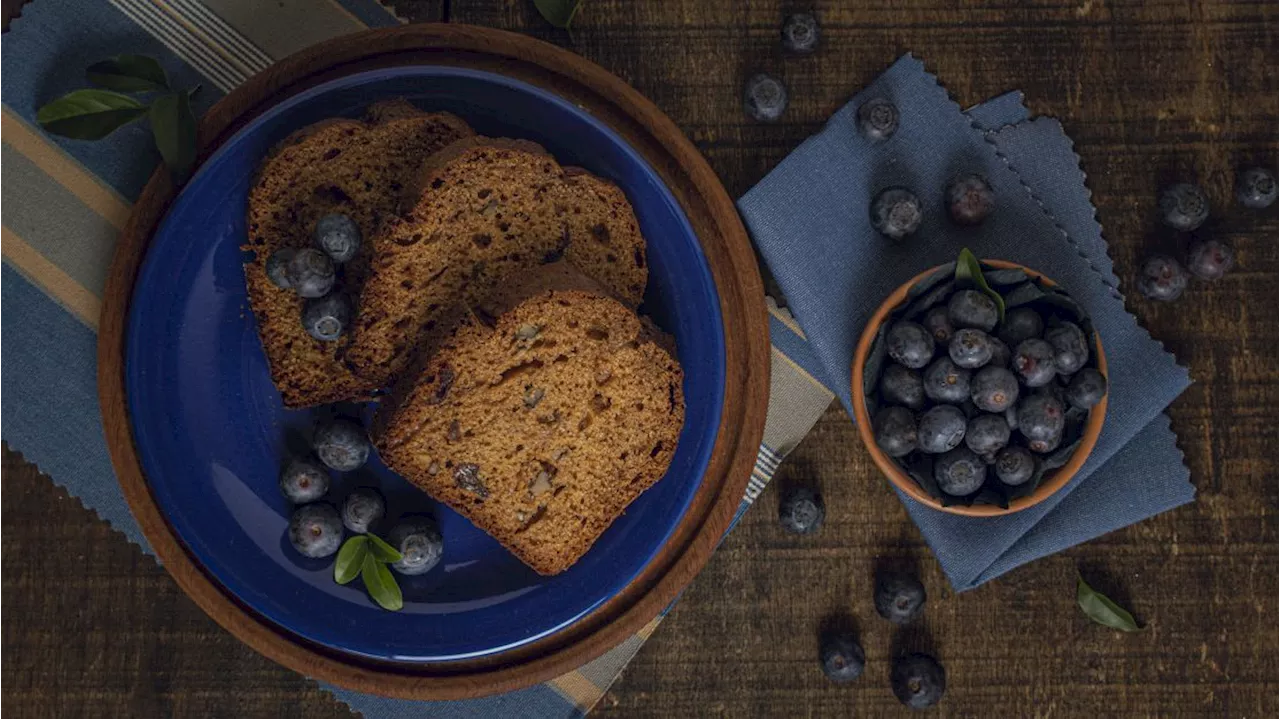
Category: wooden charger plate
[733,266]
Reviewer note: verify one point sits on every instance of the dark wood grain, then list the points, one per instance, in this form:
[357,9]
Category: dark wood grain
[1148,91]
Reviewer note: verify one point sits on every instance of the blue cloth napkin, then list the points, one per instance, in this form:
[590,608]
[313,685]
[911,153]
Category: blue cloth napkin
[809,220]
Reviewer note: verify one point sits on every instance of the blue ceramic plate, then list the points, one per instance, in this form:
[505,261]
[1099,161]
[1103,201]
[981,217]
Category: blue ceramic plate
[211,431]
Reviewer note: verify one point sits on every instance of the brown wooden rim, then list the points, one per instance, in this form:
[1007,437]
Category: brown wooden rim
[733,266]
[900,479]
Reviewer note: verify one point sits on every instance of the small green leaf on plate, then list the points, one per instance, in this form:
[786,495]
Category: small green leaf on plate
[381,584]
[558,12]
[969,270]
[350,559]
[128,73]
[1102,610]
[89,114]
[174,126]
[382,551]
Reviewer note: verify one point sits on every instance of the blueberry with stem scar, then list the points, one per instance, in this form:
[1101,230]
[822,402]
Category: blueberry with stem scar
[970,348]
[941,429]
[994,389]
[959,472]
[1256,188]
[878,119]
[970,199]
[910,345]
[1183,206]
[946,382]
[1209,260]
[1015,465]
[1162,279]
[896,212]
[764,98]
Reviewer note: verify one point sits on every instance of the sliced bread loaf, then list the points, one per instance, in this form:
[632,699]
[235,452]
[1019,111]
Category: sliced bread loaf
[355,167]
[540,426]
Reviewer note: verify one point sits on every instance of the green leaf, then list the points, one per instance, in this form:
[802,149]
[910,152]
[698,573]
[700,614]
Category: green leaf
[382,551]
[969,270]
[558,12]
[174,127]
[89,114]
[128,73]
[381,584]
[1102,610]
[350,559]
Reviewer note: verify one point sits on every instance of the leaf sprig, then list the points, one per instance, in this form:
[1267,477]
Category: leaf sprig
[367,556]
[558,12]
[93,113]
[1098,607]
[969,270]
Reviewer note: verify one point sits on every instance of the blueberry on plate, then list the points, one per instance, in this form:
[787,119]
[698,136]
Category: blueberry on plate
[1035,361]
[1209,259]
[341,444]
[910,344]
[895,430]
[938,325]
[987,434]
[1256,188]
[970,308]
[970,199]
[1021,323]
[338,236]
[945,382]
[959,472]
[362,509]
[1041,420]
[878,119]
[994,389]
[315,530]
[1086,389]
[304,481]
[800,509]
[420,544]
[311,273]
[970,348]
[764,98]
[800,33]
[1071,349]
[1183,206]
[278,267]
[1162,279]
[841,656]
[940,429]
[1015,465]
[899,596]
[918,680]
[896,212]
[327,318]
[900,385]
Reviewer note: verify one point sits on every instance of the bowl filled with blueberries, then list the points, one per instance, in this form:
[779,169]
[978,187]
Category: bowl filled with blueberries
[979,387]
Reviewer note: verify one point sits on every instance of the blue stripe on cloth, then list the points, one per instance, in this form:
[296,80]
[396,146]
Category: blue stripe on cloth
[370,12]
[537,702]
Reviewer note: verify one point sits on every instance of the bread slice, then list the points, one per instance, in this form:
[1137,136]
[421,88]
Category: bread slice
[357,167]
[487,211]
[542,426]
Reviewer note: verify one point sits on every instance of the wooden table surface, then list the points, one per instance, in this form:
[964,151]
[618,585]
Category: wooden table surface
[1150,91]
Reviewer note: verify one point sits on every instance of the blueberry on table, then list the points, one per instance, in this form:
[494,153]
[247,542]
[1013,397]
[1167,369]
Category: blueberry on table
[800,509]
[1041,420]
[896,212]
[1256,188]
[304,481]
[341,444]
[1071,349]
[1209,259]
[278,267]
[959,472]
[315,530]
[363,508]
[899,597]
[1162,279]
[900,385]
[941,429]
[944,381]
[938,324]
[841,656]
[970,308]
[1015,465]
[1086,389]
[994,389]
[338,236]
[895,430]
[420,545]
[1183,206]
[970,199]
[878,119]
[800,33]
[1035,361]
[311,273]
[970,348]
[987,434]
[1021,323]
[918,680]
[764,98]
[910,344]
[327,318]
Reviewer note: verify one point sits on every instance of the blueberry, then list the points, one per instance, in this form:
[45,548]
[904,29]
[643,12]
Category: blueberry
[1020,323]
[899,597]
[1071,349]
[420,544]
[1035,362]
[903,386]
[1086,389]
[362,509]
[918,680]
[1041,420]
[338,236]
[1209,259]
[1183,206]
[311,273]
[878,119]
[1015,465]
[994,389]
[959,472]
[936,321]
[278,267]
[970,348]
[970,308]
[315,530]
[910,345]
[896,212]
[1000,353]
[800,509]
[800,33]
[945,382]
[987,434]
[941,429]
[341,444]
[895,430]
[1162,279]
[841,656]
[970,199]
[328,317]
[1256,188]
[765,98]
[304,481]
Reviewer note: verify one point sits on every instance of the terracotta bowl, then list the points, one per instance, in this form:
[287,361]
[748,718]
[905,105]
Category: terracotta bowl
[1054,481]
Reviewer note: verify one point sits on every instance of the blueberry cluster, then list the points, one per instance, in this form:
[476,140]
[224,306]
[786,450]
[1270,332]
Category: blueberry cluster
[975,407]
[312,272]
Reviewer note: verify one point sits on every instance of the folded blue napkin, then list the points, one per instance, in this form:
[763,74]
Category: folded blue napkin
[809,219]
